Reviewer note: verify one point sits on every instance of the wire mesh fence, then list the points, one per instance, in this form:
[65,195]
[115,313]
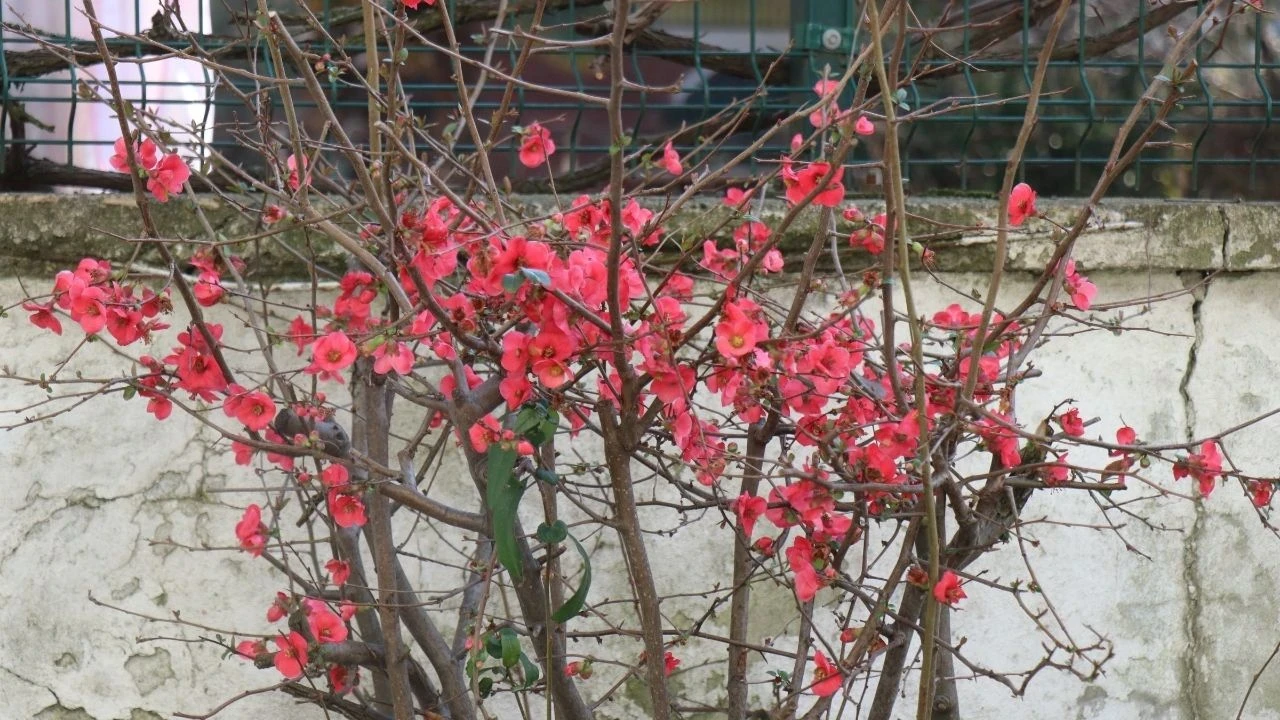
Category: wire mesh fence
[723,70]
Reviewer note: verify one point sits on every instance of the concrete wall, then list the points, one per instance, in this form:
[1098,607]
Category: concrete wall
[107,507]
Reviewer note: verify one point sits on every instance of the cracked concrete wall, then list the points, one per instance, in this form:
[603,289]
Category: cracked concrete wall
[111,513]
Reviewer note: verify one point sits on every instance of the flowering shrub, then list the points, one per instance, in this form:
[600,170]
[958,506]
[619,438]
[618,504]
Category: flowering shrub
[600,357]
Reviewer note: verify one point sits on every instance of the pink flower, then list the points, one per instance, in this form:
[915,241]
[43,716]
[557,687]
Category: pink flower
[42,316]
[804,181]
[335,476]
[736,334]
[301,333]
[168,177]
[391,356]
[827,678]
[160,407]
[671,160]
[343,679]
[415,4]
[1078,287]
[1071,423]
[339,571]
[1260,492]
[332,354]
[948,590]
[825,116]
[243,453]
[1022,204]
[326,626]
[208,289]
[346,509]
[250,531]
[251,649]
[255,410]
[749,508]
[1204,467]
[737,197]
[1125,436]
[279,608]
[537,146]
[294,181]
[291,655]
[800,558]
[145,152]
[669,664]
[864,126]
[485,431]
[1057,473]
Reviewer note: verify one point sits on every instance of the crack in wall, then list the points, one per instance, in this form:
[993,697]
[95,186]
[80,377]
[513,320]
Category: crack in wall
[1193,686]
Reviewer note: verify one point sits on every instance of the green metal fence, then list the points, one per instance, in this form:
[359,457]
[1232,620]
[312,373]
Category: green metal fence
[972,61]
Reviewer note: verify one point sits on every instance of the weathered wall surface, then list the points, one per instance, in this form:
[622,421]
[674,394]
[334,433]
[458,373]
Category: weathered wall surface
[112,518]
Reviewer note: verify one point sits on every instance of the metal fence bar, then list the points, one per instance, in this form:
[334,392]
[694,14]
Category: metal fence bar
[1225,123]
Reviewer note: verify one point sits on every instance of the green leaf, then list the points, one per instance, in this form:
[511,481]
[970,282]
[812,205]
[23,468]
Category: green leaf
[510,647]
[486,686]
[536,422]
[493,646]
[129,392]
[539,277]
[511,282]
[504,495]
[553,533]
[547,476]
[530,671]
[574,605]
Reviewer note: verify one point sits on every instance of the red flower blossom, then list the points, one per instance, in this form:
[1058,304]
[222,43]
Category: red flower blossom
[800,183]
[332,354]
[301,333]
[485,431]
[335,476]
[764,546]
[145,152]
[291,655]
[1205,467]
[346,509]
[1057,473]
[250,531]
[736,333]
[1260,492]
[392,356]
[279,608]
[537,146]
[749,508]
[251,649]
[168,177]
[343,679]
[208,289]
[294,181]
[827,678]
[339,571]
[948,590]
[415,4]
[254,410]
[800,557]
[1071,423]
[1078,287]
[42,316]
[1022,204]
[864,126]
[669,664]
[326,626]
[671,160]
